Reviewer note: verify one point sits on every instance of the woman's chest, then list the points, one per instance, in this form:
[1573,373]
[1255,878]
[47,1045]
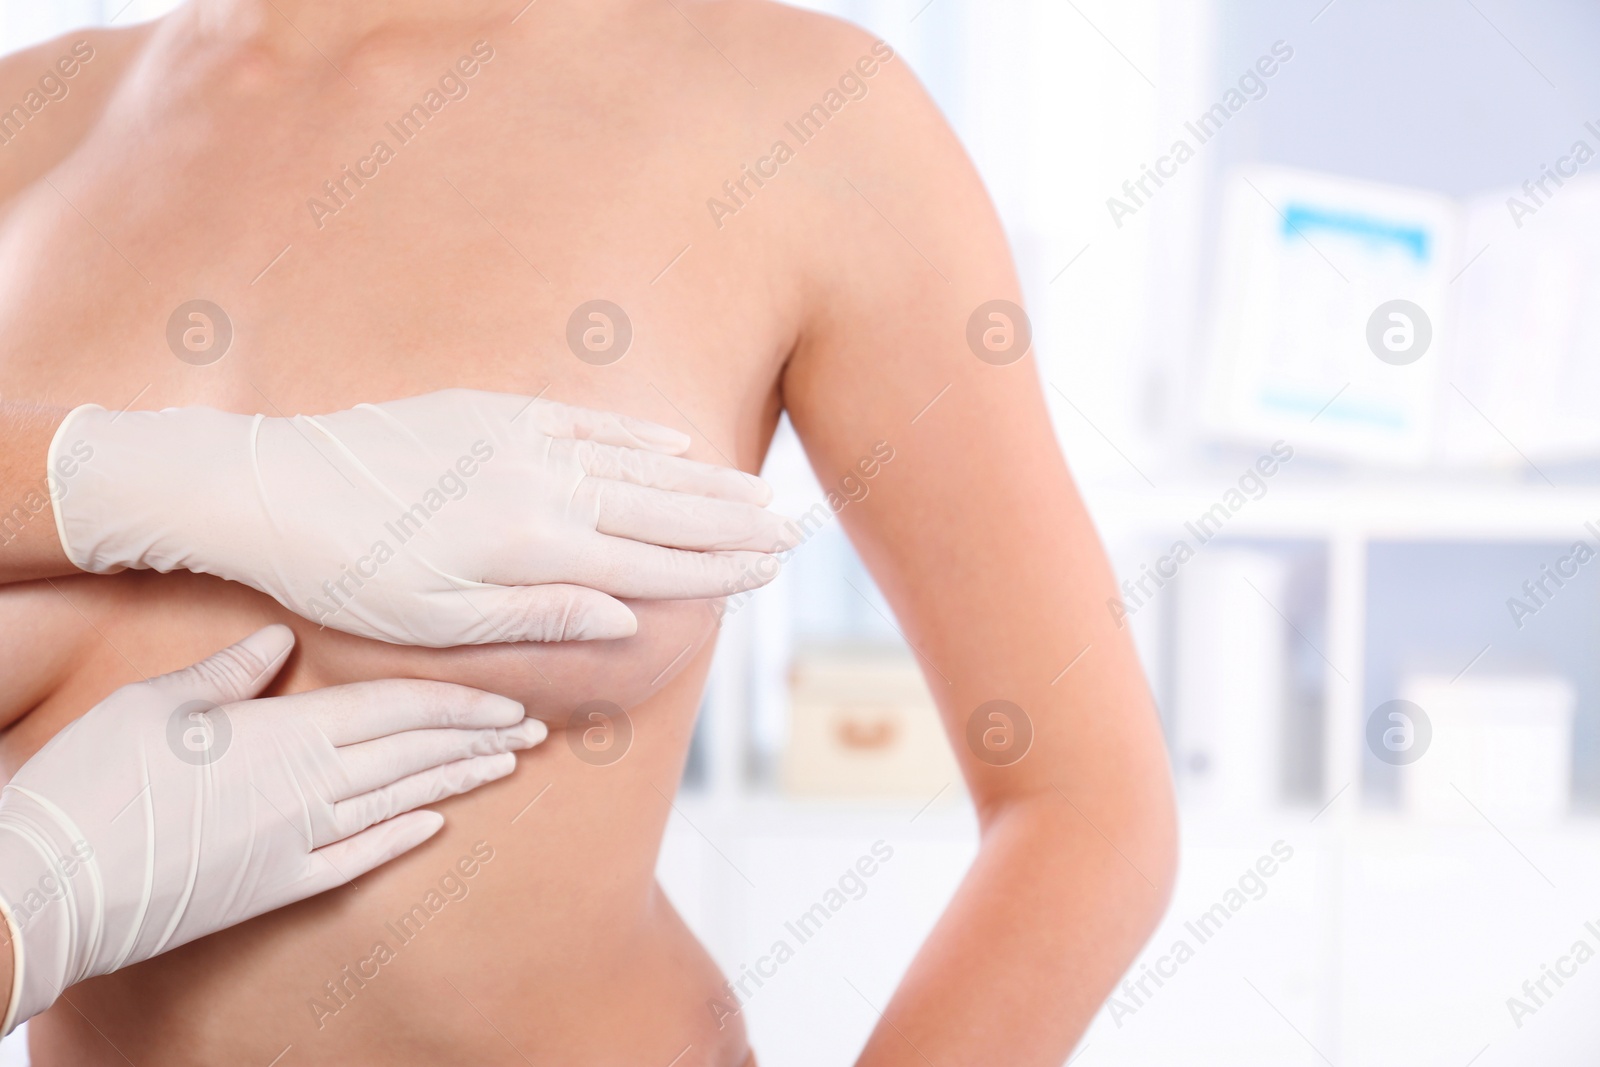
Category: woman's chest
[255,256]
[140,274]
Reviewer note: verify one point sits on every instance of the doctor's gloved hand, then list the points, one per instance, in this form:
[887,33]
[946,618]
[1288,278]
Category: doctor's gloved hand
[180,806]
[453,518]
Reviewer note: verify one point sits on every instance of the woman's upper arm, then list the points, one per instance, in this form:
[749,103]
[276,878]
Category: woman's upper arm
[974,531]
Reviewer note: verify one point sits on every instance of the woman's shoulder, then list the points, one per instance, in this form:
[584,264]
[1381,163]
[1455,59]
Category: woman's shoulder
[52,93]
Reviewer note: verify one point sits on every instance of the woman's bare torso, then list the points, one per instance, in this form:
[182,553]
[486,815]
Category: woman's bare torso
[575,167]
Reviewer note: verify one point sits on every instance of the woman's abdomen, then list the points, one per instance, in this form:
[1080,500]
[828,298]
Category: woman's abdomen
[530,926]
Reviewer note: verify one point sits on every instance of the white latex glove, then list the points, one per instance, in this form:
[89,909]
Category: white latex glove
[150,822]
[453,518]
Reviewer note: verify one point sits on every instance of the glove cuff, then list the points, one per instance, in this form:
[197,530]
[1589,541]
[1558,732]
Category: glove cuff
[149,490]
[41,893]
[61,466]
[18,962]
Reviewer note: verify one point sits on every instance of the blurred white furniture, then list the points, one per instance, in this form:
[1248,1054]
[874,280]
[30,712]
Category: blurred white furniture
[1500,743]
[1229,680]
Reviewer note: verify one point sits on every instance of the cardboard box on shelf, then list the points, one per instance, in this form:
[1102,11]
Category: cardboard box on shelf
[862,723]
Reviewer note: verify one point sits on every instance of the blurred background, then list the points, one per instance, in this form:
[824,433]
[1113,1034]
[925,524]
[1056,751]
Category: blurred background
[1309,281]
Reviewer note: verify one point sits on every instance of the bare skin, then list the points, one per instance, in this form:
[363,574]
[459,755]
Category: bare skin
[578,166]
[8,962]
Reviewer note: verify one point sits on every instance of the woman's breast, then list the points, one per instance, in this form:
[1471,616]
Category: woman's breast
[71,641]
[534,913]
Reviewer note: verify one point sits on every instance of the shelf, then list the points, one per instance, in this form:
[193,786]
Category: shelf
[772,815]
[1380,509]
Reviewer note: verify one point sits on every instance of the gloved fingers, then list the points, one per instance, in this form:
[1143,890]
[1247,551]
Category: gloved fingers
[608,427]
[670,472]
[362,711]
[238,672]
[425,787]
[638,571]
[374,764]
[676,520]
[549,612]
[333,865]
